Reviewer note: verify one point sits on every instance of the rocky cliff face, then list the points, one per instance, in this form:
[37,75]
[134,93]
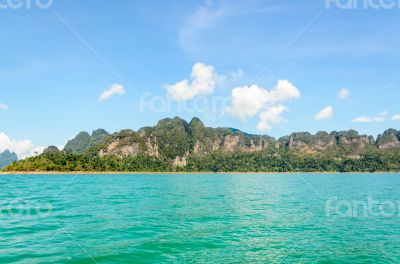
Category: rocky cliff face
[348,141]
[120,148]
[152,147]
[126,143]
[176,140]
[239,142]
[51,149]
[390,139]
[352,137]
[323,140]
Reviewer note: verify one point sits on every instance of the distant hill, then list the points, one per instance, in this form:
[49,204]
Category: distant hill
[174,144]
[84,140]
[7,157]
[172,138]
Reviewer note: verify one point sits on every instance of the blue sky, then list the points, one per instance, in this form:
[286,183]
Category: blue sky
[56,63]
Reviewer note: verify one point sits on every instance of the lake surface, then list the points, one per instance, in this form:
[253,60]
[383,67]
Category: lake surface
[210,218]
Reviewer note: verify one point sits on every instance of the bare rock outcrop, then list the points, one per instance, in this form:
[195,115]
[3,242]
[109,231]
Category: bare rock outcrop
[120,148]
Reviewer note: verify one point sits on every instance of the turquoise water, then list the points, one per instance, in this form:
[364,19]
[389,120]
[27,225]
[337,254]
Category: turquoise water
[212,218]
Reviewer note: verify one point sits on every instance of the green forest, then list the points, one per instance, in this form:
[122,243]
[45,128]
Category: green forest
[177,145]
[265,161]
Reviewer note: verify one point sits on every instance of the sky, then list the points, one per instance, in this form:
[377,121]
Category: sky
[267,67]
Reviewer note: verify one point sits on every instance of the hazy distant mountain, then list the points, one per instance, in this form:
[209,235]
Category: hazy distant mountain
[7,158]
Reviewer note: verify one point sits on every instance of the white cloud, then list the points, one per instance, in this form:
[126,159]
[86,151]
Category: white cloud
[271,116]
[325,113]
[344,93]
[3,106]
[368,119]
[396,118]
[112,90]
[362,119]
[23,148]
[204,80]
[247,102]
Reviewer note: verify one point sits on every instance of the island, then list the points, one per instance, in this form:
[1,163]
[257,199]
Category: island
[175,145]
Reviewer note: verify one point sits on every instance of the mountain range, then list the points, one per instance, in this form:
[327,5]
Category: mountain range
[176,143]
[175,139]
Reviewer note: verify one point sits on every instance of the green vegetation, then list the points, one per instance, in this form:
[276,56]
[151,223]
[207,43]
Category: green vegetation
[83,141]
[176,145]
[78,162]
[265,161]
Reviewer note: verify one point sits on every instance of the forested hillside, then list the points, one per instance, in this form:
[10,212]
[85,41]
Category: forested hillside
[176,145]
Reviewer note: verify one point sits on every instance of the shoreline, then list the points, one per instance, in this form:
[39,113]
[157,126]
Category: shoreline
[184,173]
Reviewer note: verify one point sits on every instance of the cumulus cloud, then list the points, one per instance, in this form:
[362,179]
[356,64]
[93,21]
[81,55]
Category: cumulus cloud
[325,113]
[3,106]
[203,81]
[23,148]
[248,101]
[368,119]
[344,93]
[271,116]
[112,90]
[396,118]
